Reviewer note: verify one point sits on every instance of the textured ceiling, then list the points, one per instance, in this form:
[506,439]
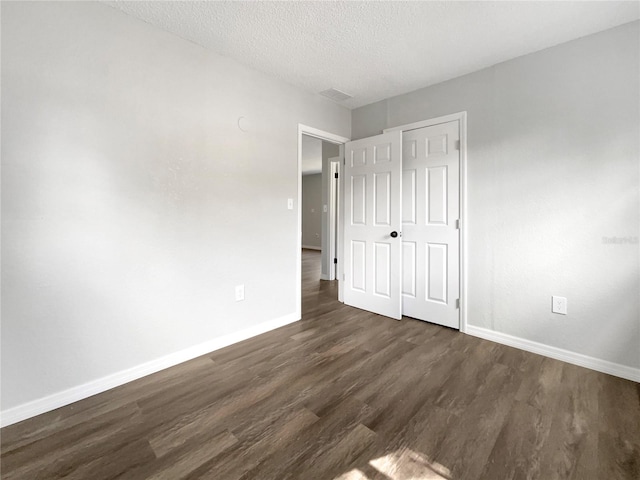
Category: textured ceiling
[375,50]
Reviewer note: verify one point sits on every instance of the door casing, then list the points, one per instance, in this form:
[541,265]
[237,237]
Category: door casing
[329,137]
[333,215]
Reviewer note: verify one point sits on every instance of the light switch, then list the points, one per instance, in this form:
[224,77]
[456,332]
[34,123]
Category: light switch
[290,203]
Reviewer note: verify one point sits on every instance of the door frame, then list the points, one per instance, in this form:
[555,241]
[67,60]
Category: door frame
[332,138]
[461,117]
[333,213]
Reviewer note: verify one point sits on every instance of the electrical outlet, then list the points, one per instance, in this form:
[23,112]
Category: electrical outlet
[290,203]
[239,293]
[559,305]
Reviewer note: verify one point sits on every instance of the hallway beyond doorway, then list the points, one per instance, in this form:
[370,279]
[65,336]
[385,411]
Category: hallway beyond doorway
[317,295]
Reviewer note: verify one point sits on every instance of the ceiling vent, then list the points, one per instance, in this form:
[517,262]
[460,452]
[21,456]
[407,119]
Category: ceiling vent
[336,95]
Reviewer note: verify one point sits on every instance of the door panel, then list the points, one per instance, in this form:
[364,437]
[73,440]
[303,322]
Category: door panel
[436,270]
[382,192]
[358,199]
[358,157]
[382,153]
[437,144]
[373,196]
[408,196]
[409,269]
[433,155]
[382,271]
[436,195]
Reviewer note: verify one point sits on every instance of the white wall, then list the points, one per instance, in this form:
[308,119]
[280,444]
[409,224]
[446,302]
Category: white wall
[311,210]
[132,203]
[553,168]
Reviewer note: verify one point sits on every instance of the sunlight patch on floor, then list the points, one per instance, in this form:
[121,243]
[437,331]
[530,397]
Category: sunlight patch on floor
[402,465]
[354,474]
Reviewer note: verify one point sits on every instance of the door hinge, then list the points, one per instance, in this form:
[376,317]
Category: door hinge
[458,224]
[457,145]
[457,303]
[335,260]
[336,175]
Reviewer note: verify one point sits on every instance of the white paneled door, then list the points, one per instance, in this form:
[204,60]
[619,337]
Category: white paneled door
[430,214]
[372,226]
[402,211]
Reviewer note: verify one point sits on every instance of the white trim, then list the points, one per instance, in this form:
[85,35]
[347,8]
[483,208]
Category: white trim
[340,219]
[428,123]
[332,217]
[312,247]
[322,135]
[579,359]
[74,394]
[464,234]
[461,118]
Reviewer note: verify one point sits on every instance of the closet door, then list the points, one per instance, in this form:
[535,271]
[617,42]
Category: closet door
[430,214]
[372,224]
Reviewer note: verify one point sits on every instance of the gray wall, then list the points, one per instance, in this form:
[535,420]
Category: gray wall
[131,202]
[553,169]
[311,210]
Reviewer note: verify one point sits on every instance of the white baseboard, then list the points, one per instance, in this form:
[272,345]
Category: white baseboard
[74,394]
[311,247]
[597,364]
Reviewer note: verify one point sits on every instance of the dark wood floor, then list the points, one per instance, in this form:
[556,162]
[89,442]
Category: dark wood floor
[344,394]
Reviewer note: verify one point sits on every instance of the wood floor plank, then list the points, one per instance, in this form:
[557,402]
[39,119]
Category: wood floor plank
[58,455]
[522,437]
[314,442]
[351,380]
[468,445]
[258,443]
[180,463]
[330,463]
[343,394]
[119,462]
[571,449]
[619,428]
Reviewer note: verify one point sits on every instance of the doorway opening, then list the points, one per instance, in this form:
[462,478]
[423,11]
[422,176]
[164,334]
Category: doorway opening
[320,155]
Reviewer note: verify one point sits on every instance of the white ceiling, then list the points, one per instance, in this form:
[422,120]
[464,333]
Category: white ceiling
[375,50]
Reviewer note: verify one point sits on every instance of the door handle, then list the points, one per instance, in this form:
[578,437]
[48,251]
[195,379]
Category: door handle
[394,234]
